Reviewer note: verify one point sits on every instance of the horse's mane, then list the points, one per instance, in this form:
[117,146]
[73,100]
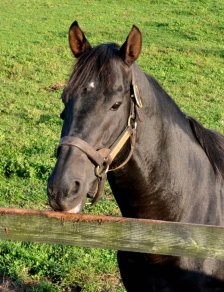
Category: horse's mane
[212,143]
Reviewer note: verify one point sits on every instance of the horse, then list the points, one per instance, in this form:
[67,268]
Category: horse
[120,124]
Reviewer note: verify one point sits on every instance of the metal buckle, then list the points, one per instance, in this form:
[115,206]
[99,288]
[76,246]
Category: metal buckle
[131,122]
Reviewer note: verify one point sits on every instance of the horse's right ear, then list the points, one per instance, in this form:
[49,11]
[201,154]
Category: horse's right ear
[131,48]
[77,40]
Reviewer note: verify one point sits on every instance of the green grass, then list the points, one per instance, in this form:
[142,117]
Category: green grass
[182,48]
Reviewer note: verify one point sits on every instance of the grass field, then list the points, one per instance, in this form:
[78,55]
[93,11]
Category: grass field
[183,47]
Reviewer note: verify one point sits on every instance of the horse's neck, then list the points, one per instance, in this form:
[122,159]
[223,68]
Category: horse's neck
[143,181]
[151,185]
[162,133]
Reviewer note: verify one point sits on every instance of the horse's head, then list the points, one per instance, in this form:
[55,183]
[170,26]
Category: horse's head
[97,106]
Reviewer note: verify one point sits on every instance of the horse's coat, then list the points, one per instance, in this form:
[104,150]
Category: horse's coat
[176,172]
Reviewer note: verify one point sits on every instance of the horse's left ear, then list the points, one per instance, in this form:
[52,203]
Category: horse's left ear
[131,48]
[77,40]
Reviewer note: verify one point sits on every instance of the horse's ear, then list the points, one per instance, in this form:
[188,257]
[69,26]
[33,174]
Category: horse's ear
[131,48]
[77,40]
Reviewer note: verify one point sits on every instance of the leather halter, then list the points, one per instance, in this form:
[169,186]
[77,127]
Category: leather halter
[103,158]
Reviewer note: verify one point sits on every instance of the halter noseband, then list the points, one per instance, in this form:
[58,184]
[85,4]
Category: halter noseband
[103,158]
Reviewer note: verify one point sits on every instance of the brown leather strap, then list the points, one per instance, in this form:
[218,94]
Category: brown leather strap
[94,155]
[104,155]
[133,140]
[100,189]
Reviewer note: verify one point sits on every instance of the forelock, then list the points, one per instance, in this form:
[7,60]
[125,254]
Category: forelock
[95,65]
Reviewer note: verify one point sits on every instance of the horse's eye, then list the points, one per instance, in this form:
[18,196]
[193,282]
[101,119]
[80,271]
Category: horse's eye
[62,115]
[115,106]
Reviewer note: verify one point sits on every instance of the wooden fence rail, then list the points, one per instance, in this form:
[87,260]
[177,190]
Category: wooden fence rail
[140,235]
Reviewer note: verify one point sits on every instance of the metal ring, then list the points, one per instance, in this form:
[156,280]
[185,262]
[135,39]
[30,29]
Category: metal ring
[101,170]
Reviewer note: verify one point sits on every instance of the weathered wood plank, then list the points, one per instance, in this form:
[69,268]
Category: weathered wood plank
[158,237]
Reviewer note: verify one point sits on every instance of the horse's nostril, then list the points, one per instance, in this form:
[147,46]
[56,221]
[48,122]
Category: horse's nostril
[76,187]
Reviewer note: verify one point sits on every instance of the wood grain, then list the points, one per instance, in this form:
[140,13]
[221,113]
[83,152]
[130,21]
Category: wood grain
[139,235]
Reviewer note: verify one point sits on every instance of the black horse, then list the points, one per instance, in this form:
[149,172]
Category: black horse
[160,163]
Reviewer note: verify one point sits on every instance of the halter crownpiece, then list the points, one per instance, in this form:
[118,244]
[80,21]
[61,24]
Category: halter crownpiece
[136,93]
[103,158]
